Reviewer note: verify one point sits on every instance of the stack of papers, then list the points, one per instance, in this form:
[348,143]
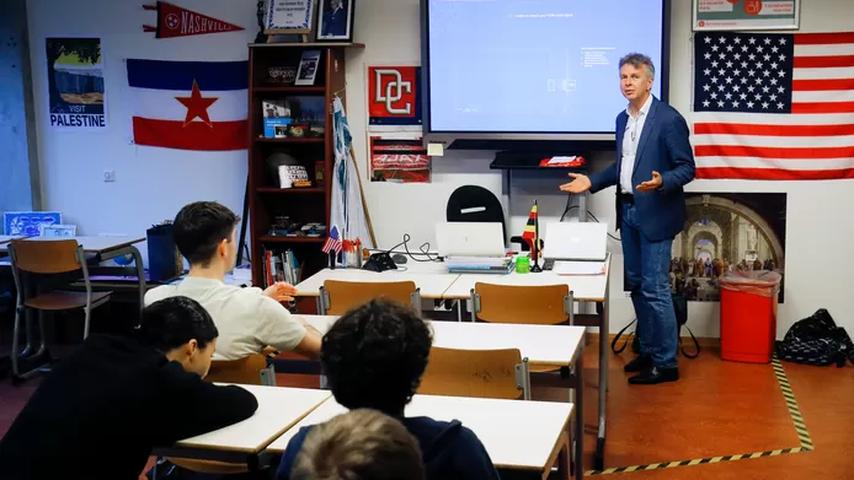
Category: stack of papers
[479,264]
[565,267]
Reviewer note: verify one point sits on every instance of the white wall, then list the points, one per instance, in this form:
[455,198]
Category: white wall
[153,183]
[818,269]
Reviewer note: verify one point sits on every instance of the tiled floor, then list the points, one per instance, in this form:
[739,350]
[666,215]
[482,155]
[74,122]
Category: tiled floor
[716,409]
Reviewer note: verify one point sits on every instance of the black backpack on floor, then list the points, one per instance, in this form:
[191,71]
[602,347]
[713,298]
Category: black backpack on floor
[816,340]
[680,308]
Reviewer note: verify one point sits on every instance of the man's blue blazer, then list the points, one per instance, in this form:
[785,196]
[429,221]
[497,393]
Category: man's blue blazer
[663,147]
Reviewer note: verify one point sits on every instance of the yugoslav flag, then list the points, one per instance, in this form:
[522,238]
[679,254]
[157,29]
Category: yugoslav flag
[189,105]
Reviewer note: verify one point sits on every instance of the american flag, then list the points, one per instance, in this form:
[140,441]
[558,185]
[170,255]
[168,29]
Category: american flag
[333,242]
[774,106]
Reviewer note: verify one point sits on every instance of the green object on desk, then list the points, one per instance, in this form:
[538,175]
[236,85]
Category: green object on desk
[523,264]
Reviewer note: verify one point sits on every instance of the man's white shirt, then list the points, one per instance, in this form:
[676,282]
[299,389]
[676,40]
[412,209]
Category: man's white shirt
[631,138]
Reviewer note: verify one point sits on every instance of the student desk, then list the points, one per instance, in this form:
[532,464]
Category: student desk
[279,408]
[430,277]
[103,248]
[517,435]
[543,345]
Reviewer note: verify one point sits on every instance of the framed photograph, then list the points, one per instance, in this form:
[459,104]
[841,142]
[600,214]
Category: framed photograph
[308,66]
[746,14]
[58,231]
[335,21]
[288,16]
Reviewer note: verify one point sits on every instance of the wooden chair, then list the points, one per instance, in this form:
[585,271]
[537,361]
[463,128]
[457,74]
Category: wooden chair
[250,370]
[534,304]
[33,262]
[337,297]
[476,373]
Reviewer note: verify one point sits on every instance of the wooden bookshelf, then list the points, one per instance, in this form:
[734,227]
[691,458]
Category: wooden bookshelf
[269,204]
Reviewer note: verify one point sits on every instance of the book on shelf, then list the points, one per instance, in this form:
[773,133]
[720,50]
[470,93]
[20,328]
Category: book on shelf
[281,267]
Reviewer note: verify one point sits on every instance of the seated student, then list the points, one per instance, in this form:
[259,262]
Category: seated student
[361,444]
[248,319]
[103,408]
[374,357]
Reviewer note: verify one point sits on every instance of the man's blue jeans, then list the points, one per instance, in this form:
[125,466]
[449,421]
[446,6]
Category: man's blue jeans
[647,266]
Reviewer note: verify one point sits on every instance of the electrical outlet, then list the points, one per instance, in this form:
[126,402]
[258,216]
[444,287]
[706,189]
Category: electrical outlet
[109,175]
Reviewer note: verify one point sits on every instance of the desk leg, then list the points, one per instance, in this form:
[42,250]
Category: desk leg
[599,458]
[140,272]
[459,310]
[140,269]
[578,435]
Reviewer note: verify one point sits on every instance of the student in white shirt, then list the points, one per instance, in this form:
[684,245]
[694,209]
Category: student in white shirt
[248,319]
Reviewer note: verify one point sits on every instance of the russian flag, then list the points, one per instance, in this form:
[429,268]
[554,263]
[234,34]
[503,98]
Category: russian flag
[189,105]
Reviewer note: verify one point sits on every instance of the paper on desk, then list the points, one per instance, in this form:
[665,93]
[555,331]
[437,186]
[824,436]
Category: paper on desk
[564,267]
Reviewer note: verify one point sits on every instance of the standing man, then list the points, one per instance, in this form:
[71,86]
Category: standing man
[654,161]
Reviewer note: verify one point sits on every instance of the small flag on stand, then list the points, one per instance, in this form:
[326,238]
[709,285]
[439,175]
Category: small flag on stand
[333,242]
[333,245]
[532,235]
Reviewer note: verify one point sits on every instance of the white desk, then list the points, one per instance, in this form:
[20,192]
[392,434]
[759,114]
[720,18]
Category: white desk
[545,345]
[585,288]
[432,278]
[522,435]
[279,408]
[105,247]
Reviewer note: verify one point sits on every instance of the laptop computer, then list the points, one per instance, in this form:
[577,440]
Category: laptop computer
[470,239]
[576,241]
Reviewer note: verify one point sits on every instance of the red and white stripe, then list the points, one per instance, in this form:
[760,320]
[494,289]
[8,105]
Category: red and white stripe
[814,142]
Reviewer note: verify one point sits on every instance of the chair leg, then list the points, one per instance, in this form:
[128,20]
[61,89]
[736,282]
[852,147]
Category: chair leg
[16,332]
[87,311]
[42,335]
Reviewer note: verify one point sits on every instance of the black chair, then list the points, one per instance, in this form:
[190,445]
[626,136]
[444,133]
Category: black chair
[472,203]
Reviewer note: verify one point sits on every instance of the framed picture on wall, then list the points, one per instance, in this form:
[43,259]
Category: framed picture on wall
[746,14]
[288,16]
[335,20]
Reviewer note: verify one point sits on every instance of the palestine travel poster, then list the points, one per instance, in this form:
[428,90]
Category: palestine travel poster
[75,83]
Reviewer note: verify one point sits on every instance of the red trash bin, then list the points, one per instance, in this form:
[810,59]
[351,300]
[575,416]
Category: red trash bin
[749,315]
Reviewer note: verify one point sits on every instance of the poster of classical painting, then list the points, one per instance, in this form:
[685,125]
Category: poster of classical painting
[75,83]
[726,232]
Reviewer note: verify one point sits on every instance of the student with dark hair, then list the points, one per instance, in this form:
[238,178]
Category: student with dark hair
[103,408]
[374,357]
[361,444]
[248,319]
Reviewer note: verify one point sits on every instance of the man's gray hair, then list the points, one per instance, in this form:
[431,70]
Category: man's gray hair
[637,60]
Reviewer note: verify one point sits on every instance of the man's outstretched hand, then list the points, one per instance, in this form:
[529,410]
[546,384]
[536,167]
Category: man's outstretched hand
[579,184]
[650,185]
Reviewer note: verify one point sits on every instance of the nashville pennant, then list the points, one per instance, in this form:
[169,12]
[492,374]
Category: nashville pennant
[175,21]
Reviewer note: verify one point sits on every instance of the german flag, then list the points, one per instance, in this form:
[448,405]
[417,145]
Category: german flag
[531,231]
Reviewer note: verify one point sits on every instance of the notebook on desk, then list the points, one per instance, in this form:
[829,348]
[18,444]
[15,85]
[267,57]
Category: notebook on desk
[473,247]
[578,248]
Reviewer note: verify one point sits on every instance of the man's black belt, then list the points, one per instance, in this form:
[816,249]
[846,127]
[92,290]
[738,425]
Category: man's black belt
[627,198]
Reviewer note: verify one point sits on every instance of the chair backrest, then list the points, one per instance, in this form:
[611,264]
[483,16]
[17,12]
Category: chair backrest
[45,256]
[473,203]
[337,297]
[476,373]
[534,304]
[247,370]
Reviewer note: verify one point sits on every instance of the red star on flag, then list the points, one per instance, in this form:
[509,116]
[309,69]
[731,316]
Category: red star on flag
[197,106]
